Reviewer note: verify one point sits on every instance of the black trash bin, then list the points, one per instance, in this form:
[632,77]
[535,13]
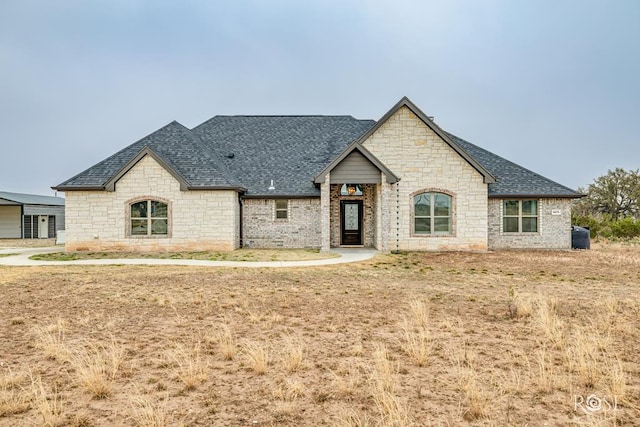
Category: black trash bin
[580,237]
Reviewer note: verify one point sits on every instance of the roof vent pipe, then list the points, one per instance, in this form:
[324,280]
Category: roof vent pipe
[271,187]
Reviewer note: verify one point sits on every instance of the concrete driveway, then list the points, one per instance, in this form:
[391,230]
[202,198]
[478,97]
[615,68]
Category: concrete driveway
[21,258]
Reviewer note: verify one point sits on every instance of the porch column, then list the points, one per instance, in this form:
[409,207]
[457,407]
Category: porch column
[325,213]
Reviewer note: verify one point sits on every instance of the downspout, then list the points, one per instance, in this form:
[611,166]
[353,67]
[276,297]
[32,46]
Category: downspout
[397,249]
[240,221]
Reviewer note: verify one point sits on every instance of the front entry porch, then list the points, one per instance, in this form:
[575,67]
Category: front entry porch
[355,201]
[353,215]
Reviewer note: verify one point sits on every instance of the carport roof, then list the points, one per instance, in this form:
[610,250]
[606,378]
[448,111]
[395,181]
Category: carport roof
[31,199]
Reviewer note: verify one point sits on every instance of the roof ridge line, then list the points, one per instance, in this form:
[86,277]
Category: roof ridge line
[349,116]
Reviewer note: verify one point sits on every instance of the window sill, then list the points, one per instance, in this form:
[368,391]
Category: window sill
[429,236]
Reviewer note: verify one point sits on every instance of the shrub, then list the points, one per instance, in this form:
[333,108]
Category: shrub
[626,227]
[589,222]
[605,226]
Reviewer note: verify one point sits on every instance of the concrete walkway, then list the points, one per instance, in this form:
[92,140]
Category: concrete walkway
[21,258]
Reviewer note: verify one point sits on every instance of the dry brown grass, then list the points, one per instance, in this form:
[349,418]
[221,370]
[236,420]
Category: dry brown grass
[417,343]
[48,404]
[51,340]
[382,370]
[147,413]
[13,401]
[549,322]
[226,341]
[258,356]
[96,366]
[354,419]
[345,384]
[476,400]
[544,372]
[392,409]
[520,306]
[416,338]
[191,367]
[289,390]
[292,357]
[419,310]
[584,356]
[15,398]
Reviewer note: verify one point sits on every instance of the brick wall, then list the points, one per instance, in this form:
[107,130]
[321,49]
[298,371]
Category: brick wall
[261,229]
[325,213]
[554,227]
[198,220]
[423,161]
[368,215]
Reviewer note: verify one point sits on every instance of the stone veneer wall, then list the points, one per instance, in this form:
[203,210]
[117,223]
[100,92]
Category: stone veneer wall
[554,231]
[368,215]
[423,161]
[198,220]
[301,229]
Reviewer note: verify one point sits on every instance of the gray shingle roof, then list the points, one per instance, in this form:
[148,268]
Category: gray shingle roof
[285,149]
[512,179]
[247,152]
[177,146]
[31,199]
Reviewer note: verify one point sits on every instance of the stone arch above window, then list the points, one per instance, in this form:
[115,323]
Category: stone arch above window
[148,217]
[432,213]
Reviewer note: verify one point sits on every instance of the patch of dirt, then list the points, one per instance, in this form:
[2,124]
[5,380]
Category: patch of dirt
[503,338]
[248,255]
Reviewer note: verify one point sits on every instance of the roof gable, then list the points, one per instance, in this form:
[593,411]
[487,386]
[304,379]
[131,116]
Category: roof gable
[391,177]
[176,148]
[405,102]
[110,185]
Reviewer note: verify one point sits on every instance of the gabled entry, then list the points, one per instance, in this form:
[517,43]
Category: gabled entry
[351,222]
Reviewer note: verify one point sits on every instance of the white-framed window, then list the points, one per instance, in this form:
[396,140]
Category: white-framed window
[282,209]
[149,218]
[520,216]
[432,214]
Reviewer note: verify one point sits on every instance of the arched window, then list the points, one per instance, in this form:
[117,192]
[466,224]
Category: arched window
[431,213]
[149,217]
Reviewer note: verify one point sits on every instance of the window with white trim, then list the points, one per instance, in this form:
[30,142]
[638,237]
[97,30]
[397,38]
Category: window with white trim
[149,218]
[282,209]
[520,216]
[431,213]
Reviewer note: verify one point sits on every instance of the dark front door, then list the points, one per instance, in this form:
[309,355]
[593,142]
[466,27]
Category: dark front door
[351,222]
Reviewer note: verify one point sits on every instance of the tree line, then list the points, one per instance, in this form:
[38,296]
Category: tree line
[611,206]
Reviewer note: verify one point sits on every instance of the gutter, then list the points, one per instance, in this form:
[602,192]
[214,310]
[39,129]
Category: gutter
[536,196]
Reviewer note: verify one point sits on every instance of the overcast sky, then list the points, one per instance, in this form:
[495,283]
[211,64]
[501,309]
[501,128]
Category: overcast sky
[551,85]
